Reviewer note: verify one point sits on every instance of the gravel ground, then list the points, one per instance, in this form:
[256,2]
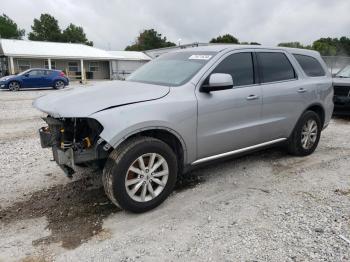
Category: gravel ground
[266,206]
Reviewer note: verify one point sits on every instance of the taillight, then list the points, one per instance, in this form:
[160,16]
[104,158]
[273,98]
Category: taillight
[62,74]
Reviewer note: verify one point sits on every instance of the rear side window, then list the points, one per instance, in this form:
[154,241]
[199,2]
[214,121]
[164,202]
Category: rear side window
[275,67]
[239,66]
[310,65]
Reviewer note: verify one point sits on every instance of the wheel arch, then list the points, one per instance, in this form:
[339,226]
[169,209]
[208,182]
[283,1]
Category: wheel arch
[15,80]
[165,134]
[315,107]
[318,109]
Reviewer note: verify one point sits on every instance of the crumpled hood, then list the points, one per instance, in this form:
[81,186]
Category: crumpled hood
[84,101]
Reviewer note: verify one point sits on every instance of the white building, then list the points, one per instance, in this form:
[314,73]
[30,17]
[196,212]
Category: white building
[19,55]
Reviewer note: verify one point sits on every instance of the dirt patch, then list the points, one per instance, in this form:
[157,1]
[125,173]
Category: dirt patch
[74,212]
[342,192]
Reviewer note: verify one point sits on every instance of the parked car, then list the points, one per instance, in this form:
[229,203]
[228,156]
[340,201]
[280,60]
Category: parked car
[341,83]
[185,108]
[35,78]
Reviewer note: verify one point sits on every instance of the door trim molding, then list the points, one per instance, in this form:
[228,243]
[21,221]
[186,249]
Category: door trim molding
[234,152]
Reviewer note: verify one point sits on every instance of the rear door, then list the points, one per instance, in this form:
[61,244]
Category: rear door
[230,119]
[47,78]
[284,93]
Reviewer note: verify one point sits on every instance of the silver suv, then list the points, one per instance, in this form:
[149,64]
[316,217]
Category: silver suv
[183,109]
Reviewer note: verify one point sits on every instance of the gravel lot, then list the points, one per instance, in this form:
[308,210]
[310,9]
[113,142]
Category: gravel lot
[267,206]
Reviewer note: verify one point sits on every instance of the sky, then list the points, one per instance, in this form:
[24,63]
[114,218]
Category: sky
[114,24]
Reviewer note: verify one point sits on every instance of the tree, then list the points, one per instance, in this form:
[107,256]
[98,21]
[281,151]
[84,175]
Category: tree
[75,34]
[227,39]
[9,29]
[292,44]
[45,29]
[247,43]
[325,48]
[149,39]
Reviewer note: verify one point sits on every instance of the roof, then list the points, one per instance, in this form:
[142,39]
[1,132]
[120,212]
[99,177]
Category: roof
[221,47]
[40,49]
[26,48]
[129,55]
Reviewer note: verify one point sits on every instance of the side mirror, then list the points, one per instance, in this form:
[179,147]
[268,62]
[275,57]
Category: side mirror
[218,82]
[26,75]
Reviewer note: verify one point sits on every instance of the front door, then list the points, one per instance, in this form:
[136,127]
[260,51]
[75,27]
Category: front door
[34,79]
[230,119]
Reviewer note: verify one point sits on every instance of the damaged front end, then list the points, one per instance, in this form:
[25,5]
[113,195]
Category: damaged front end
[74,141]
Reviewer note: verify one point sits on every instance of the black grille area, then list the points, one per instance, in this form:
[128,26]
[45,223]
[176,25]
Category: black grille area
[341,90]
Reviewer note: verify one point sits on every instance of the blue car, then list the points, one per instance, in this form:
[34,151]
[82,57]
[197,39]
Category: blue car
[35,78]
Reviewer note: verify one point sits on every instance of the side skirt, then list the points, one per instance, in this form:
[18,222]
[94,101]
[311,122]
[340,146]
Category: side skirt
[238,151]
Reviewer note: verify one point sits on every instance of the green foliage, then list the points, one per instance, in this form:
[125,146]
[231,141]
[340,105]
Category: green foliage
[75,34]
[326,49]
[225,39]
[9,29]
[45,29]
[326,46]
[149,39]
[292,44]
[247,43]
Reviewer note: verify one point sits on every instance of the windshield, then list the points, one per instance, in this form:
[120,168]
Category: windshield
[172,69]
[345,72]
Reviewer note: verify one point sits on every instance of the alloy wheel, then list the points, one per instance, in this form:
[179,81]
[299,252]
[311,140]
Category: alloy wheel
[147,177]
[13,86]
[59,84]
[309,134]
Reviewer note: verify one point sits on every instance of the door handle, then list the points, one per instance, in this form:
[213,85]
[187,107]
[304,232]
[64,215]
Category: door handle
[252,97]
[302,90]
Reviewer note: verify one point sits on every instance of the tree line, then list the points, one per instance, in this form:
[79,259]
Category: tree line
[46,28]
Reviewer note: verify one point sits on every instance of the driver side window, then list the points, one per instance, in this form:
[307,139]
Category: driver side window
[240,67]
[33,73]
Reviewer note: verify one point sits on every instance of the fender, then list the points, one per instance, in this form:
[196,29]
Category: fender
[139,130]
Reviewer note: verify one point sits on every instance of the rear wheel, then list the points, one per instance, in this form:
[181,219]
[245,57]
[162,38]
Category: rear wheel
[14,86]
[59,84]
[140,174]
[306,135]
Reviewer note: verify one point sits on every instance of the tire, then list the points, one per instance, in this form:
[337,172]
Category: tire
[58,84]
[119,180]
[14,86]
[297,144]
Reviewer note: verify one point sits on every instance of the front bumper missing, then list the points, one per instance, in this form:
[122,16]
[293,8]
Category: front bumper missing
[67,158]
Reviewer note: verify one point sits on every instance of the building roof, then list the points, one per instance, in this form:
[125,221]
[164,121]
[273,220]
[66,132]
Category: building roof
[129,55]
[40,49]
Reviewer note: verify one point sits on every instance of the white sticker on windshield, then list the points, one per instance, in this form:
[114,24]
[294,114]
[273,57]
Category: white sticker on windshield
[200,57]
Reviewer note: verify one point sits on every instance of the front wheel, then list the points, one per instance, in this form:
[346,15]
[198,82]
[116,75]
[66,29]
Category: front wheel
[140,174]
[306,135]
[14,86]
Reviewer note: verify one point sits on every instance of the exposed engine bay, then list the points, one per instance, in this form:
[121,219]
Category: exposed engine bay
[74,141]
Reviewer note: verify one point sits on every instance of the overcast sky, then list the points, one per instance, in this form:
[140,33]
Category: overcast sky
[113,24]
